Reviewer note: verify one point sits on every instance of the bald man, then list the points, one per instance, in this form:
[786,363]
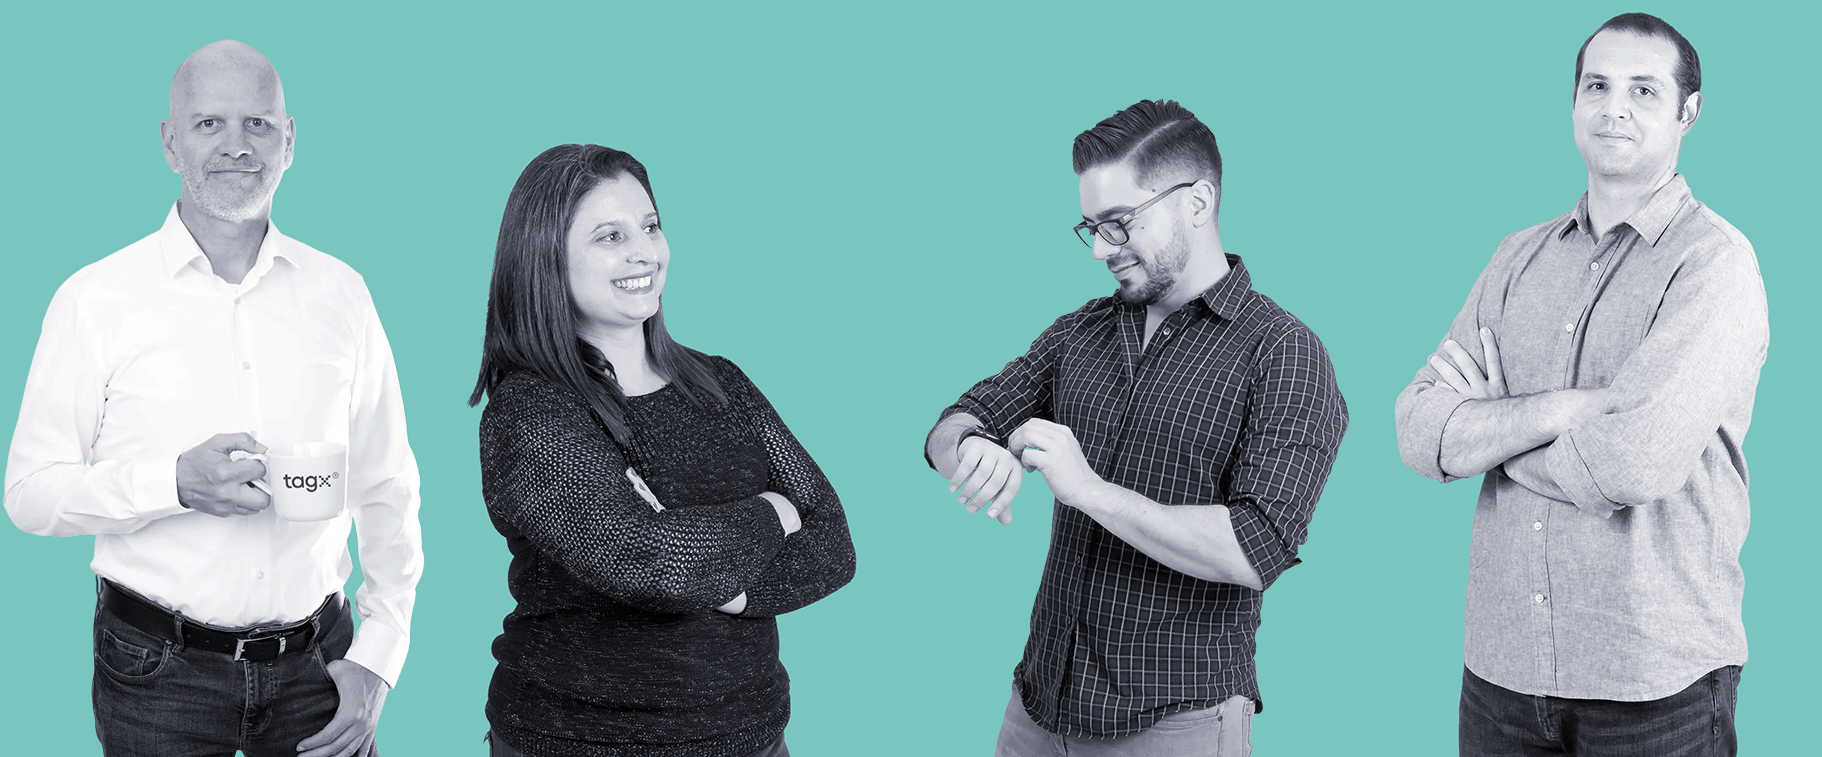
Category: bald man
[221,625]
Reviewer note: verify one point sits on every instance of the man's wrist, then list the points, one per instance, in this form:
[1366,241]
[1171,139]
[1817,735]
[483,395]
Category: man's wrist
[973,433]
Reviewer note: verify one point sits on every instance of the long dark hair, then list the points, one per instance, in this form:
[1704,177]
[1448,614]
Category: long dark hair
[531,319]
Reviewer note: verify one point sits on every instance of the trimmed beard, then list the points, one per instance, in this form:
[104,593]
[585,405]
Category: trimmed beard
[1161,272]
[234,208]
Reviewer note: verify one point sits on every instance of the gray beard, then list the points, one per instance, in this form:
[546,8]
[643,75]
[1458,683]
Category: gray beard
[235,207]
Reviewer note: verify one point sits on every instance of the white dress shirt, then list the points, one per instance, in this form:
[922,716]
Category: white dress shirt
[146,354]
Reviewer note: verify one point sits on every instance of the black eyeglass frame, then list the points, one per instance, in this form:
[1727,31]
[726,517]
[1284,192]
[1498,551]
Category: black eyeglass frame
[1100,229]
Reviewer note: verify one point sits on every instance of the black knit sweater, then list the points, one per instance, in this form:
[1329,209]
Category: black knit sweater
[616,647]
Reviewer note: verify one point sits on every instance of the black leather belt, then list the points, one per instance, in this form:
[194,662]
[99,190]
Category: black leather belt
[254,644]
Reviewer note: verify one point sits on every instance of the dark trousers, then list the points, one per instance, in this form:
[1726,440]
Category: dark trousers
[497,747]
[1695,722]
[154,698]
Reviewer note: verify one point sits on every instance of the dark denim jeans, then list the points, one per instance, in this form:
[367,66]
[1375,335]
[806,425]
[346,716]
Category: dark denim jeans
[1695,722]
[497,747]
[156,699]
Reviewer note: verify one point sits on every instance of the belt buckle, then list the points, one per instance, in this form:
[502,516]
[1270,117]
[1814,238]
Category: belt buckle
[240,645]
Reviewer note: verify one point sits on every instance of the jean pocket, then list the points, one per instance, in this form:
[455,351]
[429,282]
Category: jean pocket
[1183,720]
[129,660]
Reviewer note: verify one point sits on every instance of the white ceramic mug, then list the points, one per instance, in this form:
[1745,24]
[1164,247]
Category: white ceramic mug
[306,481]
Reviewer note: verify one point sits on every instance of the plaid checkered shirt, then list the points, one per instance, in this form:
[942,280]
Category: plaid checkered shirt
[1233,402]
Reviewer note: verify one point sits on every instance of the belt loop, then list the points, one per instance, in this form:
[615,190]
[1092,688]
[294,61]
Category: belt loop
[316,626]
[177,627]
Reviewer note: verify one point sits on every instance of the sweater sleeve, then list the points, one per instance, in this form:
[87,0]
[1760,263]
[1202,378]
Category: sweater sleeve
[551,472]
[818,559]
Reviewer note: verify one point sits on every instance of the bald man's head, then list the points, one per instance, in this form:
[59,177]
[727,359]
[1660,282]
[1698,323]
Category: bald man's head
[228,134]
[227,63]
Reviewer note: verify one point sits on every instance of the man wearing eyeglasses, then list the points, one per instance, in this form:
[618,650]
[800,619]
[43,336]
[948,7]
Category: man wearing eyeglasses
[1186,425]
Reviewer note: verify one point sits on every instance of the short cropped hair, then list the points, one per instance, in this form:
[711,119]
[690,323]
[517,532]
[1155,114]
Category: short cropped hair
[1161,138]
[1688,73]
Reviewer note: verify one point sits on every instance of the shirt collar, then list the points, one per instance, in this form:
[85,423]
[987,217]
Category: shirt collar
[179,249]
[1224,298]
[1649,222]
[1228,295]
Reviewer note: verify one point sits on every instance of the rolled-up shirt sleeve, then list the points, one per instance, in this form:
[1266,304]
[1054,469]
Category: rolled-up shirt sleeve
[1700,359]
[54,486]
[383,498]
[1425,406]
[1296,417]
[1023,389]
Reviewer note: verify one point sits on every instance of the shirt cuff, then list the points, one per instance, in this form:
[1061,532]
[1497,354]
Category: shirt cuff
[1259,544]
[1430,414]
[380,648]
[1573,477]
[948,411]
[153,492]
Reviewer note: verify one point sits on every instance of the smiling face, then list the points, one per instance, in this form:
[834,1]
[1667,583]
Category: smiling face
[228,135]
[617,258]
[1150,263]
[1629,116]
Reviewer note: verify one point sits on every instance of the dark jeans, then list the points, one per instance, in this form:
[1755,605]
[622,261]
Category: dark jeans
[156,699]
[497,747]
[1695,722]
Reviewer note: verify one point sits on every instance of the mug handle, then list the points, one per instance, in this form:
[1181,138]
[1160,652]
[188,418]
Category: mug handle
[241,454]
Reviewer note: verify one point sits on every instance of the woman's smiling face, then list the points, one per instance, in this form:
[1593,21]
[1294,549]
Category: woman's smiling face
[617,257]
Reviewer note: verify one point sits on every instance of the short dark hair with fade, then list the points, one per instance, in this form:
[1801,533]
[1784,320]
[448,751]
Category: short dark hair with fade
[1688,73]
[1161,138]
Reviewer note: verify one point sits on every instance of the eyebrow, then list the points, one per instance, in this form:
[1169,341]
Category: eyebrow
[1109,213]
[1589,75]
[262,114]
[648,216]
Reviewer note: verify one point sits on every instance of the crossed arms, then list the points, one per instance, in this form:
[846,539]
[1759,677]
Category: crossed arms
[1632,442]
[551,473]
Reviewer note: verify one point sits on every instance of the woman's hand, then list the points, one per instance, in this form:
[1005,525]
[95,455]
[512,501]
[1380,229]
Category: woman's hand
[787,512]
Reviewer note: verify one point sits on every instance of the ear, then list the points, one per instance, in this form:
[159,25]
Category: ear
[290,139]
[167,133]
[1692,109]
[1204,203]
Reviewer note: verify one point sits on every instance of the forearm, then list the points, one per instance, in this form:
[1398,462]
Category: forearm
[392,560]
[941,444]
[814,563]
[681,560]
[1482,434]
[1196,540]
[1531,470]
[109,497]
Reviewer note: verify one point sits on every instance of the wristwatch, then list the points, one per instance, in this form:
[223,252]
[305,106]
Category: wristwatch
[980,432]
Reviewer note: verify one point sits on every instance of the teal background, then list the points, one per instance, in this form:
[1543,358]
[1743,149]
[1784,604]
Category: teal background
[868,210]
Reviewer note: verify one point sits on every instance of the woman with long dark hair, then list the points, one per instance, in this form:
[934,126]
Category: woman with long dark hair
[658,511]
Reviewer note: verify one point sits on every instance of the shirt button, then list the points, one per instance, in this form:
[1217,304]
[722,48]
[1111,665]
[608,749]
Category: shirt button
[1538,526]
[1595,266]
[1538,598]
[260,574]
[1568,327]
[244,365]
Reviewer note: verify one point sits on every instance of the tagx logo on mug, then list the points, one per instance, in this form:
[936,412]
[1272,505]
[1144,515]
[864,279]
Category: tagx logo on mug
[297,495]
[311,483]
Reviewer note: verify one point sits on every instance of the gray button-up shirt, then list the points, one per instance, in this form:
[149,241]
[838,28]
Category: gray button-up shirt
[1631,591]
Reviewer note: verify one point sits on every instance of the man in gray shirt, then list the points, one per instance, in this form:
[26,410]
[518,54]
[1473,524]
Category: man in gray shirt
[1601,375]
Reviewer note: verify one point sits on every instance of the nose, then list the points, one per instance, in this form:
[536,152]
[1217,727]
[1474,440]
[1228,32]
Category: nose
[641,249]
[237,144]
[1616,108]
[1104,249]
